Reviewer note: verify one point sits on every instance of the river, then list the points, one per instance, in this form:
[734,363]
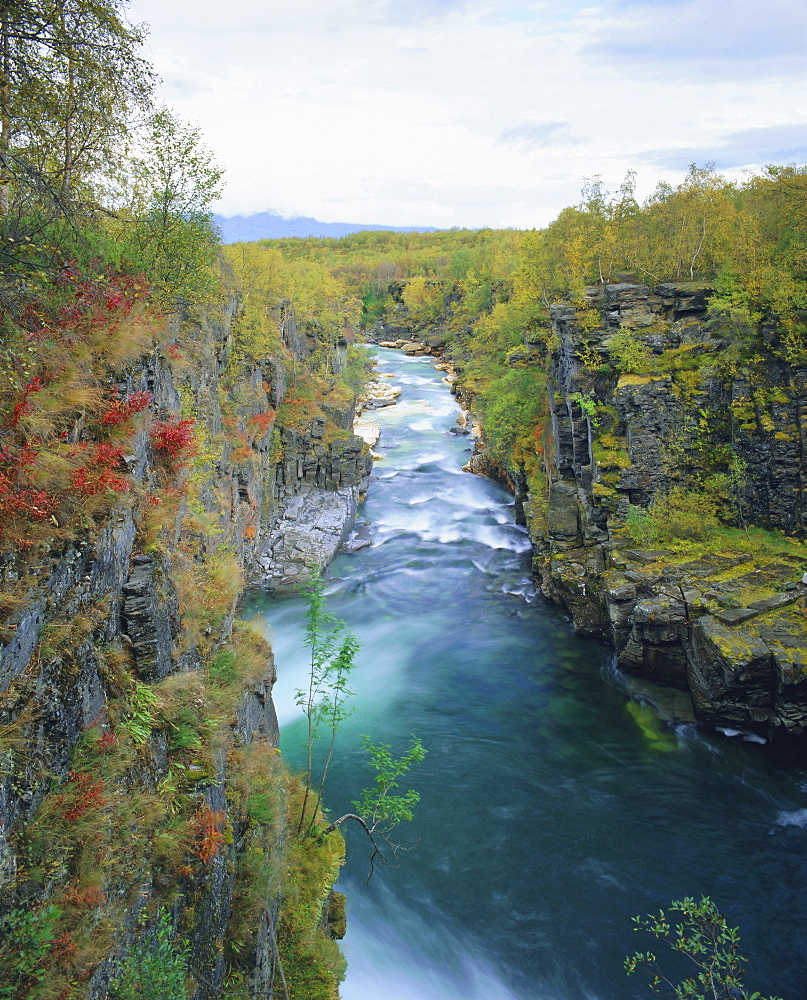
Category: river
[554,806]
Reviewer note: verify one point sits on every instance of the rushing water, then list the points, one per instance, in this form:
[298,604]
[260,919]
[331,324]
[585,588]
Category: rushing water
[553,809]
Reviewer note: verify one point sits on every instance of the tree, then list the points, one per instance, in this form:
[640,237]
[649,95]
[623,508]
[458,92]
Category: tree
[691,231]
[168,224]
[709,947]
[71,80]
[378,811]
[333,651]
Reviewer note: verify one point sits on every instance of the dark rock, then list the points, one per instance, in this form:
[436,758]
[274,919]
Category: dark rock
[646,556]
[730,674]
[146,620]
[563,518]
[775,602]
[735,616]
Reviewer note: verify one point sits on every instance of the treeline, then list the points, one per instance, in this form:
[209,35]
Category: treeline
[489,290]
[749,241]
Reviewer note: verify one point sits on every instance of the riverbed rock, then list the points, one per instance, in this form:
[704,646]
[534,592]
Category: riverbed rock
[379,394]
[307,535]
[368,430]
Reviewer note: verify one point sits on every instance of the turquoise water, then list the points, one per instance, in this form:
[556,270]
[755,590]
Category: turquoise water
[549,816]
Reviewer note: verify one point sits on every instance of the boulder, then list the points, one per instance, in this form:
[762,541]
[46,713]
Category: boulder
[307,535]
[368,430]
[655,647]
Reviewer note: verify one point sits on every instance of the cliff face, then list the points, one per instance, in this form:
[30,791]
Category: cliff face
[728,628]
[137,733]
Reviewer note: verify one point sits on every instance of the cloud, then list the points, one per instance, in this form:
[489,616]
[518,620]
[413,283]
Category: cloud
[703,37]
[472,112]
[780,144]
[540,136]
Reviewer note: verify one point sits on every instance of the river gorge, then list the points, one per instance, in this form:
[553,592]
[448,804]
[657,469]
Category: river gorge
[555,804]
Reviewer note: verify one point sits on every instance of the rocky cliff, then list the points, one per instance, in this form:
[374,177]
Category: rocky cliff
[142,802]
[648,401]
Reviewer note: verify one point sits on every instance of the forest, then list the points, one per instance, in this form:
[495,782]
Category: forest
[490,291]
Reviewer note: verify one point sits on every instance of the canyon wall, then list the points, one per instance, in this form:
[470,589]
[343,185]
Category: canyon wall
[729,629]
[141,793]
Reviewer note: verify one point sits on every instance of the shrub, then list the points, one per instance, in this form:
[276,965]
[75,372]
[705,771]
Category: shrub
[156,969]
[714,966]
[28,938]
[174,437]
[122,410]
[630,354]
[641,526]
[688,515]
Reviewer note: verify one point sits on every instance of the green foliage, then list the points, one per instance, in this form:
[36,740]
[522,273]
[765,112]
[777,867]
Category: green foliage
[630,354]
[142,702]
[712,966]
[310,963]
[27,938]
[587,404]
[333,651]
[156,968]
[378,806]
[684,513]
[641,526]
[376,302]
[678,516]
[73,81]
[223,668]
[169,229]
[510,414]
[357,369]
[507,381]
[423,300]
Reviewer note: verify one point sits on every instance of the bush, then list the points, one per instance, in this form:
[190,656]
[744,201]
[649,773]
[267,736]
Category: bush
[630,354]
[173,437]
[156,969]
[714,966]
[688,515]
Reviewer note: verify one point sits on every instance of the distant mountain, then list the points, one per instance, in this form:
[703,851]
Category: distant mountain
[271,226]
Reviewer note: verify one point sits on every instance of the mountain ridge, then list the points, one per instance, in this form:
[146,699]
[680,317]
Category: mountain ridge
[272,226]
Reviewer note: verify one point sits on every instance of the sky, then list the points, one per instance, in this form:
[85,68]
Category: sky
[475,113]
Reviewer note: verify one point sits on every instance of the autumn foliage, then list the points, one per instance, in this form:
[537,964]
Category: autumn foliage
[62,431]
[174,437]
[209,839]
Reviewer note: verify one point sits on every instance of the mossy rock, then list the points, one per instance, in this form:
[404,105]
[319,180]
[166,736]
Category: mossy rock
[626,380]
[656,734]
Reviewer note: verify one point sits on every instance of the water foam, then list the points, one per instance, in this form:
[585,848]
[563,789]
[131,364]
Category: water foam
[438,965]
[795,817]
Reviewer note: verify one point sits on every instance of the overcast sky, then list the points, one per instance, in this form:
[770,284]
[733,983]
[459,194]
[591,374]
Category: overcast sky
[476,113]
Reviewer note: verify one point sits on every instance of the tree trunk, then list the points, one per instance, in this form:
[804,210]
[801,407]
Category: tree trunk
[5,114]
